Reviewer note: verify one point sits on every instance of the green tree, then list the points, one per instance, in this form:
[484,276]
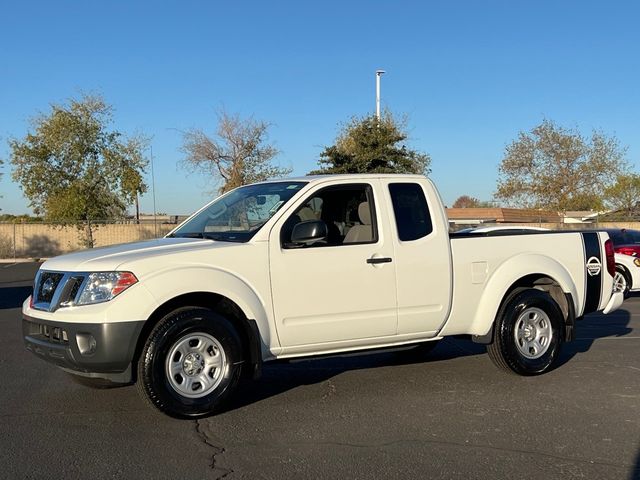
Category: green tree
[75,169]
[133,184]
[558,169]
[238,154]
[624,195]
[370,145]
[23,218]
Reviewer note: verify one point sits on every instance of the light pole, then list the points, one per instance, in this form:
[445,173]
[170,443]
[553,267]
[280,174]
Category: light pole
[379,74]
[153,190]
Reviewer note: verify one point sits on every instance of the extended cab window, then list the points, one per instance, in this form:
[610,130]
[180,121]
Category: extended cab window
[410,208]
[345,212]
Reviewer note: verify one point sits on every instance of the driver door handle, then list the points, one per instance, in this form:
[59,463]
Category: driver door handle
[379,260]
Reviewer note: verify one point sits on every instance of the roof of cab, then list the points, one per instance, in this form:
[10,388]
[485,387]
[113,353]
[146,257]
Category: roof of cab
[342,176]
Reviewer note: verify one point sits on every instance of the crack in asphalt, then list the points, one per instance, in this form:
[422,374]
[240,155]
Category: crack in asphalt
[331,390]
[224,472]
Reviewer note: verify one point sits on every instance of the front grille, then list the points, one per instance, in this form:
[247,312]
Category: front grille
[75,288]
[56,289]
[70,290]
[47,285]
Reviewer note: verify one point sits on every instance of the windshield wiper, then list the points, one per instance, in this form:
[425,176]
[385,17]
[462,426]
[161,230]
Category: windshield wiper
[215,236]
[191,235]
[221,237]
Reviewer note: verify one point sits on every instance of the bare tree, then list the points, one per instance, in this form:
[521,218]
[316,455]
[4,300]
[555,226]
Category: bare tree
[466,201]
[238,154]
[558,169]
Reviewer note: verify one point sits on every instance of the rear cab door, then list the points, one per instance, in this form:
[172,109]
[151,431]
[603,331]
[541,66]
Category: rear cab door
[422,255]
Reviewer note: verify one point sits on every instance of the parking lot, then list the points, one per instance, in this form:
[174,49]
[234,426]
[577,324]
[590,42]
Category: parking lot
[451,414]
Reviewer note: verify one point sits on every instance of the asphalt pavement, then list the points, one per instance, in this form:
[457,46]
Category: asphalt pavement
[450,414]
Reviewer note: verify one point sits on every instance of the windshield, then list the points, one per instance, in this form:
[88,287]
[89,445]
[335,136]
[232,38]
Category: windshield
[238,215]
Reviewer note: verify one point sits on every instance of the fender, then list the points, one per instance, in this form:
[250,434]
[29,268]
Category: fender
[508,274]
[164,286]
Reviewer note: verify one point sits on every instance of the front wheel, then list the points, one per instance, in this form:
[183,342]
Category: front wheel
[528,333]
[190,363]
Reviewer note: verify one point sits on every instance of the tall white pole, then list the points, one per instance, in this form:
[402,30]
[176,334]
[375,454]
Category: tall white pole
[153,191]
[378,75]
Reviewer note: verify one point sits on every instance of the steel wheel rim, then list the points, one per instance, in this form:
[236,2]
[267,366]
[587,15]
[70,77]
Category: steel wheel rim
[619,282]
[195,365]
[533,333]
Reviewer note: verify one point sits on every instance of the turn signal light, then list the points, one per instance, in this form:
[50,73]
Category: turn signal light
[125,280]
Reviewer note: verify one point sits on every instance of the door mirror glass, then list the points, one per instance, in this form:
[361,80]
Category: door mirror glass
[309,232]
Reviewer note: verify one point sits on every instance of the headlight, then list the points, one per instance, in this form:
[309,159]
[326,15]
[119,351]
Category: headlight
[636,262]
[103,286]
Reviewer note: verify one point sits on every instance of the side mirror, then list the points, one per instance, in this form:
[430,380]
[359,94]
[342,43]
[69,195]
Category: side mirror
[309,232]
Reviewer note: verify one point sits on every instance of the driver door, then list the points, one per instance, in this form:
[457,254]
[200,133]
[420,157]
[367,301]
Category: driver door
[341,289]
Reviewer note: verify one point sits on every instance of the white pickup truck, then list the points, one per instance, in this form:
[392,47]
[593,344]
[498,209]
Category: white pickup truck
[305,267]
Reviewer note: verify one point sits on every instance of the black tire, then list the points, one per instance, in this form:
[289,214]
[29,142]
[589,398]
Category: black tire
[514,326]
[627,279]
[155,382]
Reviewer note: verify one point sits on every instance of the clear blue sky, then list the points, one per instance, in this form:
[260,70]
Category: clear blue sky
[470,75]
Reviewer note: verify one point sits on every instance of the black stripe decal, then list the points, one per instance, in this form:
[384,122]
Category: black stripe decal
[593,259]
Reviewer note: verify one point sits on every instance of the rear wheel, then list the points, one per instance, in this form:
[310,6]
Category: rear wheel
[528,333]
[190,363]
[621,281]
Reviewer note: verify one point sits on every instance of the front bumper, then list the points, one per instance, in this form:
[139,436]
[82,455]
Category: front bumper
[100,350]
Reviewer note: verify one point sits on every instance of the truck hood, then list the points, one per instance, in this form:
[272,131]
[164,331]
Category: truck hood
[113,257]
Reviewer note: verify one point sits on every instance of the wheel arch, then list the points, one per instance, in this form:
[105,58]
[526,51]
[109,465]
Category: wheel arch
[226,294]
[550,276]
[247,328]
